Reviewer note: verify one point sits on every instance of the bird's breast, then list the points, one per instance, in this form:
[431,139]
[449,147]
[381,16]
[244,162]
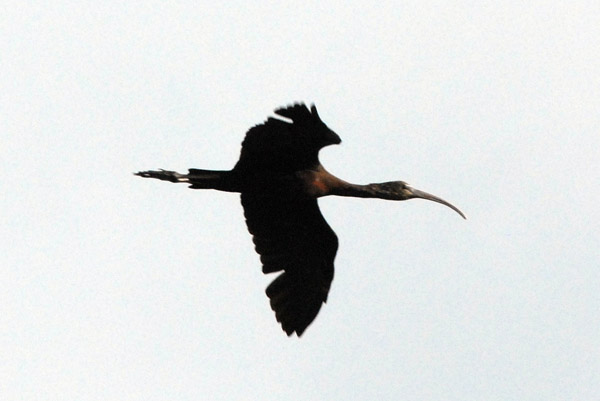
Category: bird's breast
[314,183]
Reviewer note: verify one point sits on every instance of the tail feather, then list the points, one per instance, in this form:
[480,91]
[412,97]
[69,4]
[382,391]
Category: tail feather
[206,179]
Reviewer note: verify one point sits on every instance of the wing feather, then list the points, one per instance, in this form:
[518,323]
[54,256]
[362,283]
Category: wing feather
[283,146]
[292,236]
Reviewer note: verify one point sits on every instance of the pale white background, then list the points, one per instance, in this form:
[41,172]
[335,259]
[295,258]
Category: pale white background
[118,288]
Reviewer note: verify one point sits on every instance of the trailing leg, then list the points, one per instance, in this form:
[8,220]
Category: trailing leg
[164,175]
[197,179]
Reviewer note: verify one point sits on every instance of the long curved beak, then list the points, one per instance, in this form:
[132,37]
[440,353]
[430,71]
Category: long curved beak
[424,195]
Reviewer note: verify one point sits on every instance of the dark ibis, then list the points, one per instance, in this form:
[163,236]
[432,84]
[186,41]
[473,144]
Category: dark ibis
[280,178]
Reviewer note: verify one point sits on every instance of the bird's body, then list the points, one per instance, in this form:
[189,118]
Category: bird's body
[280,178]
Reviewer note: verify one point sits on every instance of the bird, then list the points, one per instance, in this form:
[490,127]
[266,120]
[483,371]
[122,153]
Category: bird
[280,178]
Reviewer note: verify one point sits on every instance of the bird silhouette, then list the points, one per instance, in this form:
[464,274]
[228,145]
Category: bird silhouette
[280,178]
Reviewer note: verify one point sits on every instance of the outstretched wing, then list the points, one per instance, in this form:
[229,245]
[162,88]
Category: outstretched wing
[291,234]
[282,146]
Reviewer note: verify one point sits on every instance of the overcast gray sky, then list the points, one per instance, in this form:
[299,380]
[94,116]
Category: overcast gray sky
[114,287]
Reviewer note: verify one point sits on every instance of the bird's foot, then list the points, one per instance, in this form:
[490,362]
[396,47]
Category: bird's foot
[164,175]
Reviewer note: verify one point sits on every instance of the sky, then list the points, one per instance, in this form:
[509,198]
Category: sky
[118,288]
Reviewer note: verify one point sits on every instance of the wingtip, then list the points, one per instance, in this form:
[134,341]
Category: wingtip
[313,110]
[288,106]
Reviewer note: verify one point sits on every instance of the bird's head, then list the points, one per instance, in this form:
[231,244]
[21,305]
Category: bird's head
[400,190]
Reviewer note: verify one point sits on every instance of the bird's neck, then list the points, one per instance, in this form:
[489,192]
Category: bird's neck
[319,182]
[356,190]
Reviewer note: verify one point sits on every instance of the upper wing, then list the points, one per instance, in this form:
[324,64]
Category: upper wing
[281,146]
[291,234]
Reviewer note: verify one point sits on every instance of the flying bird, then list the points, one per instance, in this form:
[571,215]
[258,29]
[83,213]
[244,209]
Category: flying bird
[280,178]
